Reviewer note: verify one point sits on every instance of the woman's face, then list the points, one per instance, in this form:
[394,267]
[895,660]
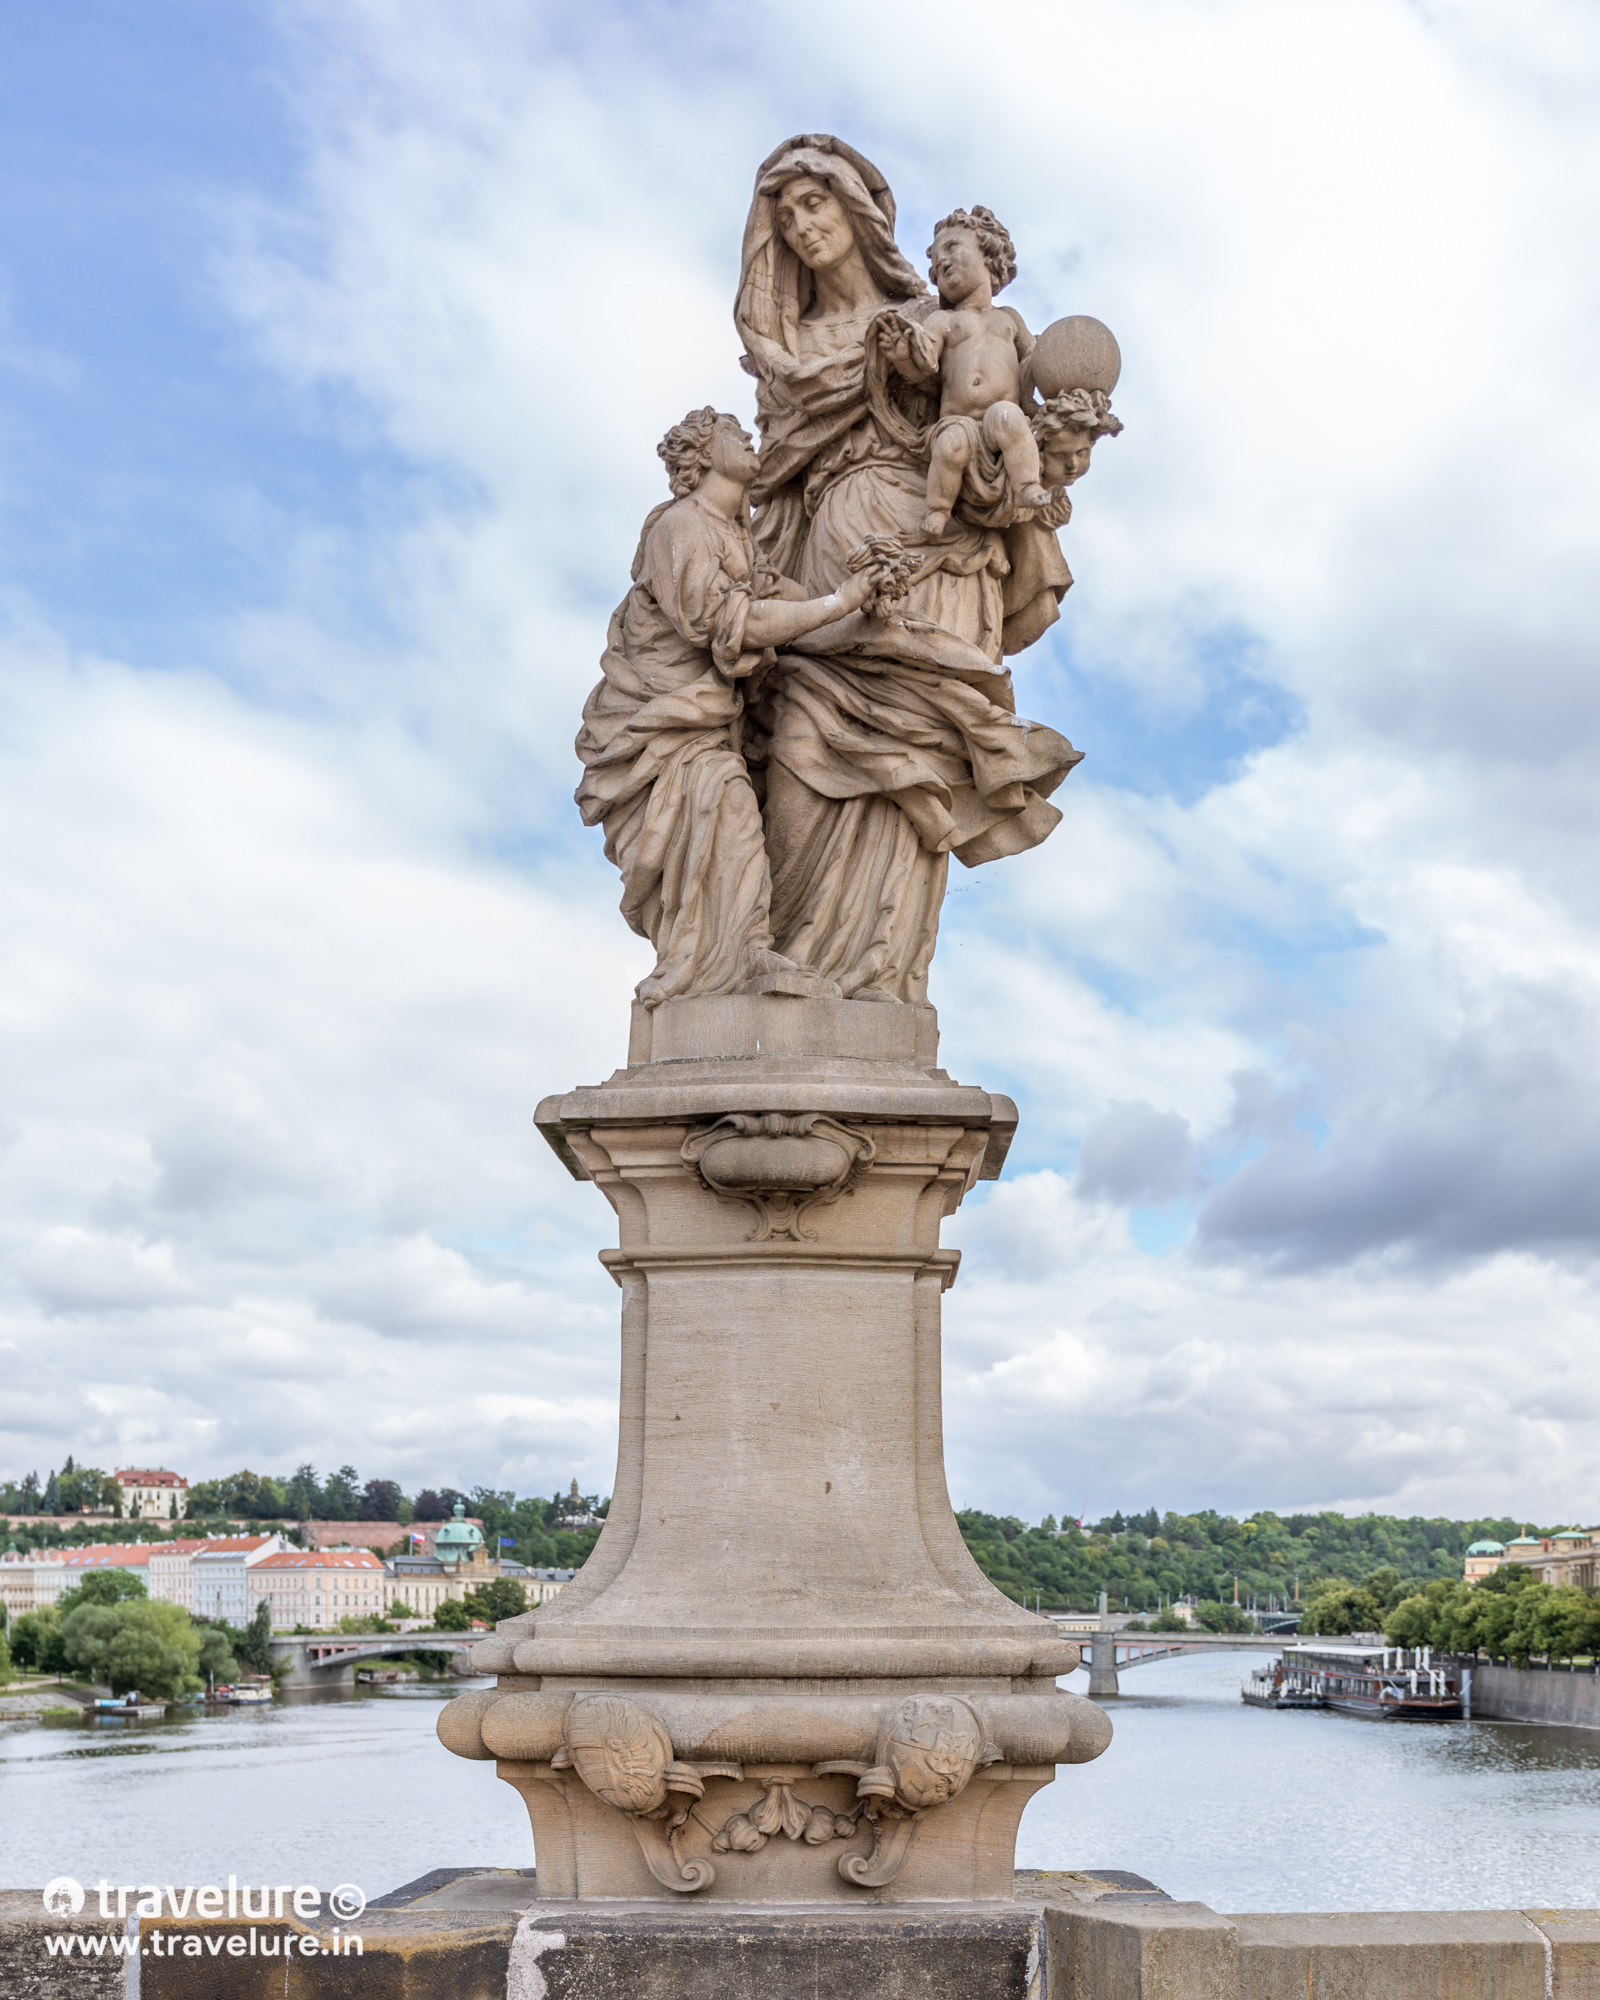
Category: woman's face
[812,221]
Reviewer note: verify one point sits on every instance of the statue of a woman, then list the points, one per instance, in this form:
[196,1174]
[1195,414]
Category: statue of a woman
[890,752]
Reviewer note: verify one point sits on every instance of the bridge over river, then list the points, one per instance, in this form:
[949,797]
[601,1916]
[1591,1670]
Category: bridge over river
[330,1659]
[1108,1652]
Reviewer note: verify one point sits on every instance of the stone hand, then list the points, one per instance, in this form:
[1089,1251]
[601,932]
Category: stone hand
[859,590]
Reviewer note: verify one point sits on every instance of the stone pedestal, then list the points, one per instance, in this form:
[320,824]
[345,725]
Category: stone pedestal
[780,1677]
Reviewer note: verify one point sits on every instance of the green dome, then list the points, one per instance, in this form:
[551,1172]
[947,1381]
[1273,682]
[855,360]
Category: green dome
[457,1540]
[1487,1549]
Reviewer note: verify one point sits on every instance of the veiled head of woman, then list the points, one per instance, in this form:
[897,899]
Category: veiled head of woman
[818,206]
[814,223]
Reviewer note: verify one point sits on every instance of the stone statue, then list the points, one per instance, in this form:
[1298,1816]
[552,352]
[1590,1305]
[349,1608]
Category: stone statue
[802,717]
[661,740]
[780,1678]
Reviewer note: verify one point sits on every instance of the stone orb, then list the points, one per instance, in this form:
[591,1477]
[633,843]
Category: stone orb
[1076,353]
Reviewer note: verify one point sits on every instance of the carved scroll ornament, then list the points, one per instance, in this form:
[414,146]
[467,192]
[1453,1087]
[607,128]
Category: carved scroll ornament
[782,1166]
[927,1752]
[625,1757]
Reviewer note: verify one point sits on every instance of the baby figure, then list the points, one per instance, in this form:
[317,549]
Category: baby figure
[979,351]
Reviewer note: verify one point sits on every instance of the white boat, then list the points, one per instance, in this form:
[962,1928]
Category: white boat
[249,1694]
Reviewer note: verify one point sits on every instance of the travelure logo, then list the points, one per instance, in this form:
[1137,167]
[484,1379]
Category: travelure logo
[64,1897]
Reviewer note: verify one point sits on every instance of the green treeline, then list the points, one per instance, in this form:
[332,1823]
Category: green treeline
[1508,1615]
[1140,1560]
[538,1531]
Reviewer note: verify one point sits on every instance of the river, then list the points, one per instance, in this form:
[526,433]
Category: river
[1232,1806]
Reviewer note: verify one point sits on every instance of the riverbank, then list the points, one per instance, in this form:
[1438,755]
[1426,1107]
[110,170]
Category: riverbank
[1554,1697]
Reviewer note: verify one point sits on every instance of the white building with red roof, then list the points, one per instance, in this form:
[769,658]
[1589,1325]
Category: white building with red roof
[35,1583]
[152,1493]
[318,1587]
[219,1573]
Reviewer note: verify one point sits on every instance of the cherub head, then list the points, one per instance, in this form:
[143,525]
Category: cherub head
[1067,429]
[963,242]
[707,440]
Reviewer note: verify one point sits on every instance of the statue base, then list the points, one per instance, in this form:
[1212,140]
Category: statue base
[780,1677]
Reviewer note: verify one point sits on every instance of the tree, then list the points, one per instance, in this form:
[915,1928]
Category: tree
[496,1510]
[1338,1608]
[83,1489]
[452,1616]
[380,1500]
[1218,1617]
[1416,1620]
[254,1644]
[341,1495]
[29,1636]
[304,1494]
[51,1503]
[429,1506]
[100,1586]
[216,1661]
[245,1495]
[138,1643]
[5,1661]
[503,1598]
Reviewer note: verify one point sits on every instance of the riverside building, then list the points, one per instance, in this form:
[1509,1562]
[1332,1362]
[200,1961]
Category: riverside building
[317,1587]
[220,1574]
[1571,1556]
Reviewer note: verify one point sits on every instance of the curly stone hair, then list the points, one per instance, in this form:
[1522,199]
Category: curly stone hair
[1077,410]
[994,240]
[686,450]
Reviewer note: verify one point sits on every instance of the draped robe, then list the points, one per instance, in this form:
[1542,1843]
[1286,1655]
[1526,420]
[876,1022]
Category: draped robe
[661,750]
[891,747]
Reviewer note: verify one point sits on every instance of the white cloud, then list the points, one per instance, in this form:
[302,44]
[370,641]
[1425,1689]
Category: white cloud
[291,965]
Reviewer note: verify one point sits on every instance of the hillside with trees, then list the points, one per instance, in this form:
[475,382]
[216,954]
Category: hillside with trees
[1144,1560]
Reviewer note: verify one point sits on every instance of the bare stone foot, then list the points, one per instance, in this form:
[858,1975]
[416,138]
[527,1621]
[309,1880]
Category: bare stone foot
[875,993]
[774,961]
[1034,496]
[934,525]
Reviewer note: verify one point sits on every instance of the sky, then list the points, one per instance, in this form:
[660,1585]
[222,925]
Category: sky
[334,347]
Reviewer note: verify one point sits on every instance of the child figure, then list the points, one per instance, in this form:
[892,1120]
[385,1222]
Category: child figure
[1066,430]
[979,351]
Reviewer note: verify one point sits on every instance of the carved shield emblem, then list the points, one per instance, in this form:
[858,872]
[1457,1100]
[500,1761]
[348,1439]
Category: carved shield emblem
[932,1744]
[621,1752]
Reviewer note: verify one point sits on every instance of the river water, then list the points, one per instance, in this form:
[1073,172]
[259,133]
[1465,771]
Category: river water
[1232,1806]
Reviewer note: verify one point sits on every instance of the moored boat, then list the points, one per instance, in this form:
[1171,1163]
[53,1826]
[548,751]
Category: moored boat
[1278,1686]
[1383,1683]
[249,1693]
[123,1706]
